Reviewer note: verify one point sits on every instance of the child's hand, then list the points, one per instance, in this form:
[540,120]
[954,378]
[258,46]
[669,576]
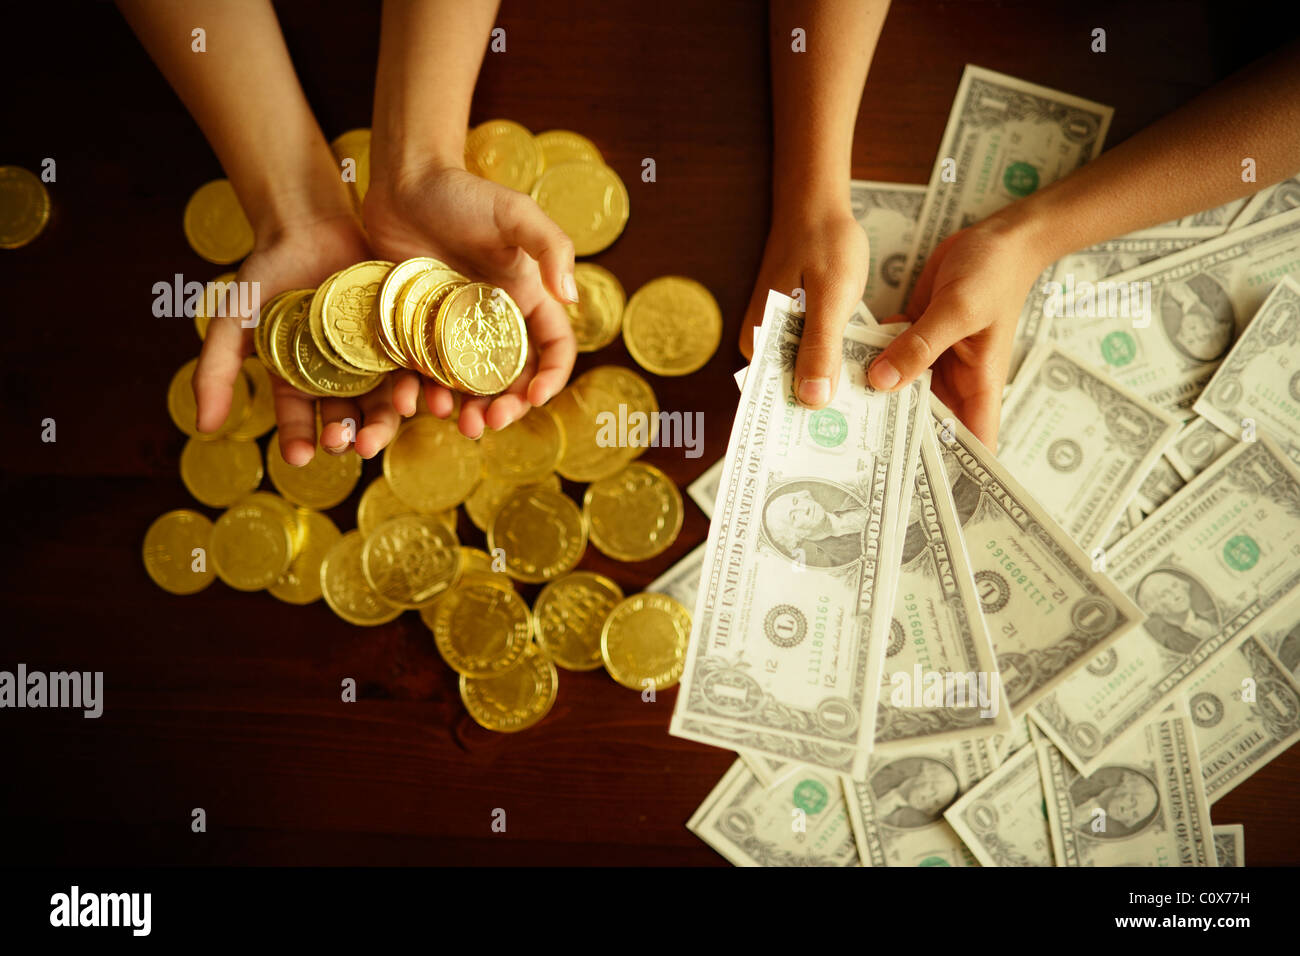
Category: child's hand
[965,307]
[498,235]
[826,256]
[295,258]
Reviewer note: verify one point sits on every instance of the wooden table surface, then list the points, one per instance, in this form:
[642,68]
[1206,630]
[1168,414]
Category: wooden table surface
[231,701]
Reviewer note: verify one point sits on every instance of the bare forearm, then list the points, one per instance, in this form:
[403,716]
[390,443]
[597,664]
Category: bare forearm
[429,57]
[1188,161]
[815,97]
[245,96]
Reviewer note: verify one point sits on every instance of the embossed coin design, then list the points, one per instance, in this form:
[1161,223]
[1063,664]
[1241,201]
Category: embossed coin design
[644,640]
[517,699]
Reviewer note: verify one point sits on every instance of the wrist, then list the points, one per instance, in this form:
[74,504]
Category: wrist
[297,200]
[1028,225]
[810,203]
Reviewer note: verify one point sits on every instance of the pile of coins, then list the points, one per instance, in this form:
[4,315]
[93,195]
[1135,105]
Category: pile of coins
[406,552]
[374,317]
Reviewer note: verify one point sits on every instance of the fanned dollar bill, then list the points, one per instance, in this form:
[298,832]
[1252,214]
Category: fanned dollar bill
[704,489]
[1246,711]
[1257,387]
[1208,568]
[1059,280]
[887,213]
[1230,844]
[1189,306]
[1205,224]
[1160,483]
[1081,441]
[1004,745]
[1003,818]
[1196,446]
[1047,610]
[802,821]
[940,680]
[1269,202]
[1145,806]
[1283,636]
[897,812]
[1005,139]
[682,581]
[789,628]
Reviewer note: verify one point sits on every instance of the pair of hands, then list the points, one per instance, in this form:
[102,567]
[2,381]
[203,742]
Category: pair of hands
[963,311]
[479,228]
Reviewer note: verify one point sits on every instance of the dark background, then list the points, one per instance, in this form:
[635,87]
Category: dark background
[230,701]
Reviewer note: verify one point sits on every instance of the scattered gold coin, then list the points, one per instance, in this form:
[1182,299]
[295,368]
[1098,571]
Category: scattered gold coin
[645,639]
[504,152]
[608,417]
[219,473]
[597,316]
[176,550]
[322,483]
[672,326]
[542,534]
[301,583]
[482,629]
[344,587]
[378,504]
[24,206]
[587,200]
[524,451]
[355,145]
[565,146]
[251,547]
[410,560]
[569,615]
[488,496]
[430,465]
[215,224]
[516,699]
[634,514]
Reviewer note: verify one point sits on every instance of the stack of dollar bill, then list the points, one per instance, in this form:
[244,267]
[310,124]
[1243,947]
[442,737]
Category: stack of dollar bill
[926,654]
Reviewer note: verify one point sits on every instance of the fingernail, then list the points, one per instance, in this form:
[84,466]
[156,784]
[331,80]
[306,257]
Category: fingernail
[570,287]
[815,391]
[337,449]
[883,374]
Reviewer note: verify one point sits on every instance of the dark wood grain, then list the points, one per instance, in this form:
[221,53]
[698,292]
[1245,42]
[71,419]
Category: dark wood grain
[230,701]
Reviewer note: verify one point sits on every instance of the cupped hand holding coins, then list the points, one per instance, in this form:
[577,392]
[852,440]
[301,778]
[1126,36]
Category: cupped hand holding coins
[341,326]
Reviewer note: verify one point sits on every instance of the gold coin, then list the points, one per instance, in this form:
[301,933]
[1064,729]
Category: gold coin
[587,200]
[301,583]
[672,326]
[597,316]
[344,587]
[251,547]
[184,407]
[349,316]
[565,146]
[525,451]
[176,550]
[411,559]
[219,473]
[608,417]
[324,376]
[569,615]
[272,308]
[430,465]
[635,514]
[483,628]
[421,335]
[484,500]
[378,504]
[284,325]
[24,206]
[288,515]
[645,639]
[504,152]
[355,145]
[322,483]
[541,532]
[215,224]
[476,560]
[409,323]
[261,410]
[475,565]
[386,304]
[517,699]
[211,302]
[482,341]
